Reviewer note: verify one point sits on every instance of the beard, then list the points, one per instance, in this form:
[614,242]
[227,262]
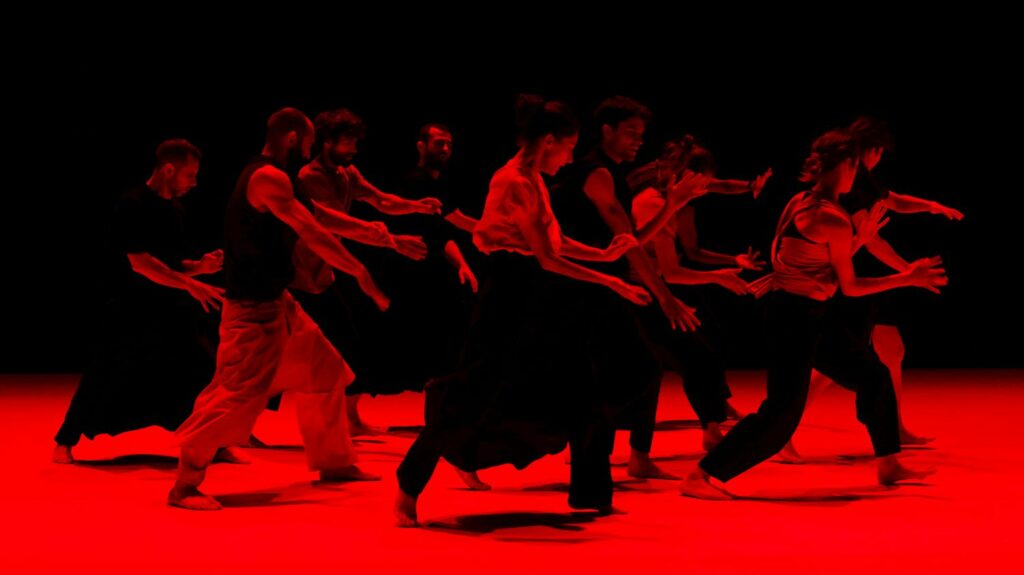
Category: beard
[435,162]
[343,160]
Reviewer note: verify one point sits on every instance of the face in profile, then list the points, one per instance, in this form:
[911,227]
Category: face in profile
[183,176]
[870,158]
[343,151]
[437,150]
[624,140]
[557,153]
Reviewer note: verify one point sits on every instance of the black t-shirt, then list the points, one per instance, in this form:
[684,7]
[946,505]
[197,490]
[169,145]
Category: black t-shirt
[864,194]
[146,223]
[435,230]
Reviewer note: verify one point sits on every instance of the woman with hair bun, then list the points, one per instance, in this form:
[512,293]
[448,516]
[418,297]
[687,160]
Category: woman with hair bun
[522,390]
[811,255]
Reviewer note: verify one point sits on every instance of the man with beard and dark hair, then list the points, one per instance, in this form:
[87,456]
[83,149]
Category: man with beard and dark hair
[590,203]
[151,361]
[267,342]
[331,182]
[431,297]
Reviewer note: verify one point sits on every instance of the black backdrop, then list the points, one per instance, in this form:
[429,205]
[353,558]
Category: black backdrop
[102,107]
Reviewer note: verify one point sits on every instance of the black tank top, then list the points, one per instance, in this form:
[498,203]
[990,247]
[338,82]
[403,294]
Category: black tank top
[579,217]
[257,245]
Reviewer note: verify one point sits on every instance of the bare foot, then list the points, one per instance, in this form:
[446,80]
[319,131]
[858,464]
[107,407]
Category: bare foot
[698,485]
[255,443]
[472,480]
[712,436]
[733,413]
[908,438]
[789,455]
[891,471]
[193,499]
[641,466]
[230,455]
[350,473]
[405,510]
[62,454]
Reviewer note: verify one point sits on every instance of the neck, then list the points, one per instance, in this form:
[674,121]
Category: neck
[527,157]
[157,183]
[611,155]
[826,191]
[327,161]
[280,156]
[434,173]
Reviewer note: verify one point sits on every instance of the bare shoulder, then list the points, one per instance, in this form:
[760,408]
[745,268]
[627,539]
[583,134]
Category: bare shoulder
[823,222]
[269,176]
[599,177]
[268,183]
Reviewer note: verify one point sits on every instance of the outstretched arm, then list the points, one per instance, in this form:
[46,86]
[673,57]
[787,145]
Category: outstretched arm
[668,264]
[686,231]
[461,221]
[269,189]
[907,204]
[158,272]
[389,203]
[838,233]
[370,233]
[600,188]
[734,187]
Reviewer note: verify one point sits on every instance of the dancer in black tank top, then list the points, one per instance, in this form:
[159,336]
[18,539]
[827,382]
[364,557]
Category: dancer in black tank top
[268,344]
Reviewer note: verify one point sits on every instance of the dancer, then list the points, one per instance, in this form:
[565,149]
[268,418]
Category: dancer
[874,321]
[151,359]
[330,183]
[431,297]
[811,255]
[693,355]
[591,206]
[524,387]
[268,344]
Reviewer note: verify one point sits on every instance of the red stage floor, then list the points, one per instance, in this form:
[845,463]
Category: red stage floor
[107,513]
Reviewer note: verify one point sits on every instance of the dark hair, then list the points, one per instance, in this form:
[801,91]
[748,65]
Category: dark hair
[284,121]
[537,118]
[618,109]
[871,133]
[425,131]
[702,161]
[176,151]
[675,156]
[828,151]
[336,124]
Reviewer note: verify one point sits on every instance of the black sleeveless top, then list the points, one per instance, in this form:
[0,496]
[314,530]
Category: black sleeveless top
[257,245]
[864,194]
[579,217]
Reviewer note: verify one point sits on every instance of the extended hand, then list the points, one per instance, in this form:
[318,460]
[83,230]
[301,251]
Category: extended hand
[750,260]
[411,247]
[208,296]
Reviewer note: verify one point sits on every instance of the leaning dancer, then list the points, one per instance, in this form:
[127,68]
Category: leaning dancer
[811,255]
[268,344]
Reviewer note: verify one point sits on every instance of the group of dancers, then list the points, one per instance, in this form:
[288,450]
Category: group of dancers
[547,322]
